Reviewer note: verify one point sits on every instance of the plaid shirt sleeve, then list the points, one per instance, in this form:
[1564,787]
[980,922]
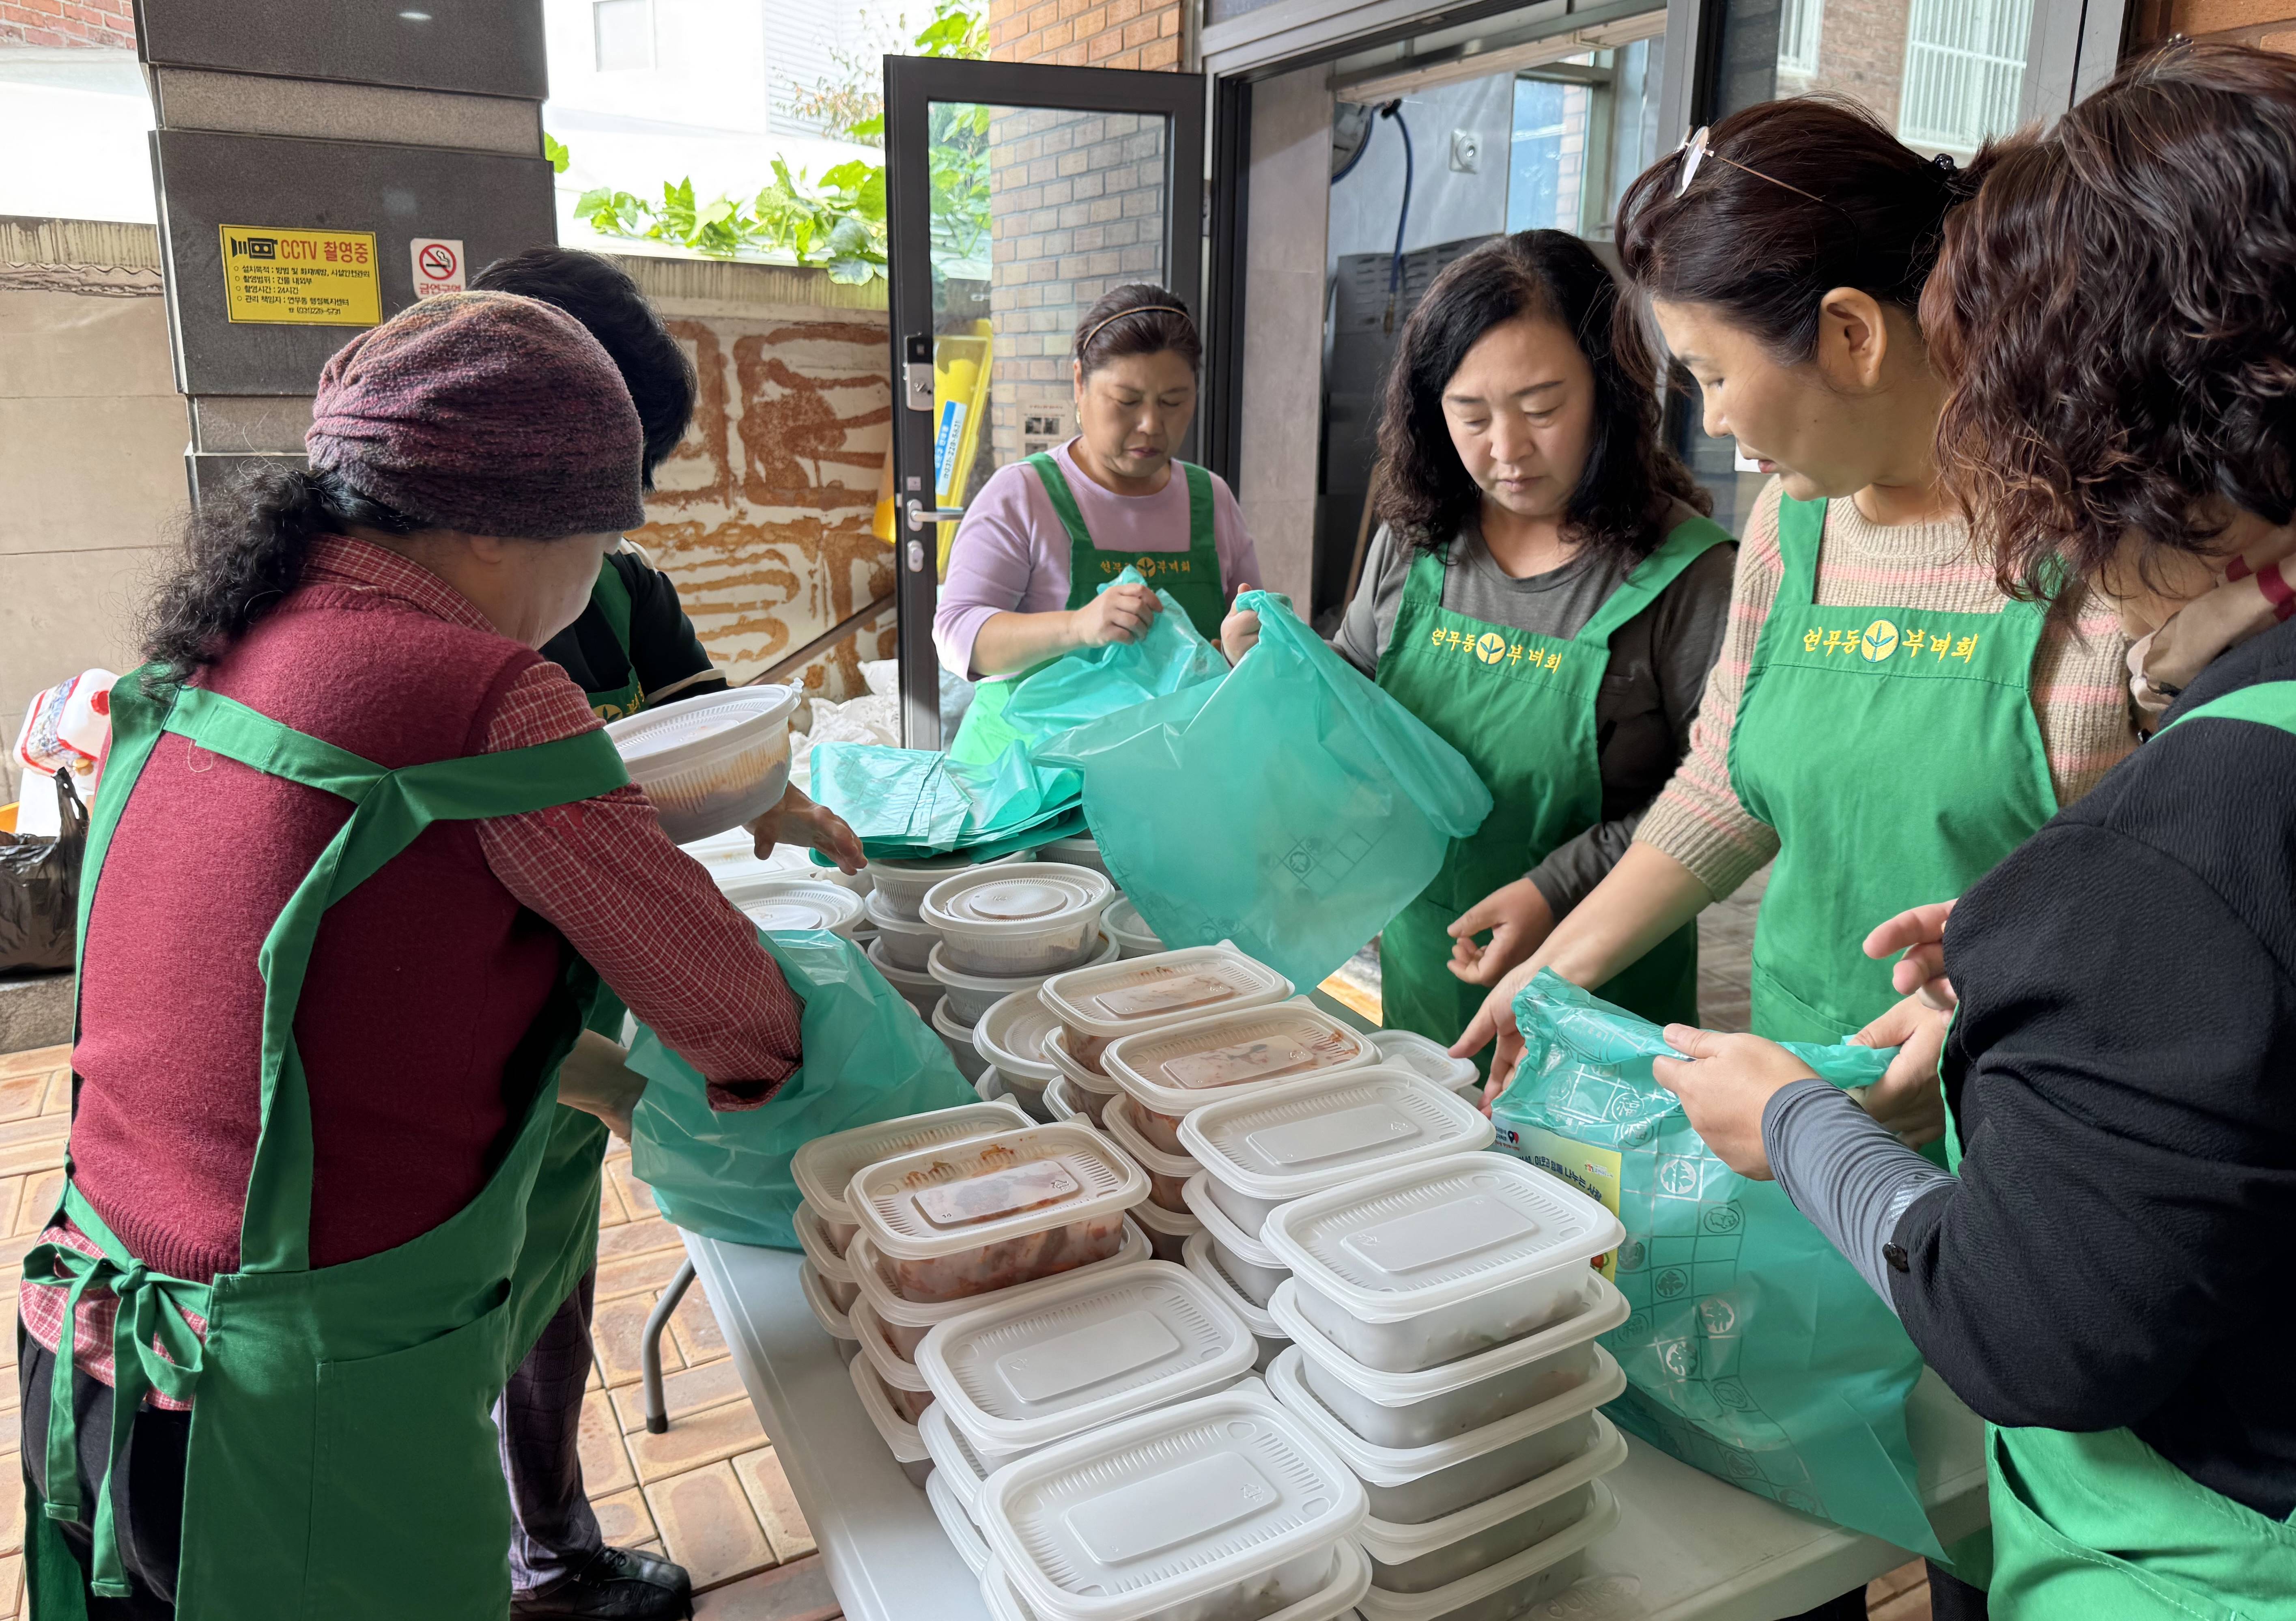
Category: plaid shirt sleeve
[643,912]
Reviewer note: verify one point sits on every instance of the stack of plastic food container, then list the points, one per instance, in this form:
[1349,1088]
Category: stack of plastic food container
[1011,1036]
[903,946]
[1133,937]
[1225,1508]
[1082,850]
[1430,1060]
[1166,1217]
[1004,930]
[1445,1317]
[1100,1005]
[710,763]
[1169,1074]
[781,902]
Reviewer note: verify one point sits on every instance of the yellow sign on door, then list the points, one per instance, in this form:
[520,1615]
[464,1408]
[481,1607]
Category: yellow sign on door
[300,278]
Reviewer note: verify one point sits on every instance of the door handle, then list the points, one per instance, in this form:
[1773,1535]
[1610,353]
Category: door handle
[920,514]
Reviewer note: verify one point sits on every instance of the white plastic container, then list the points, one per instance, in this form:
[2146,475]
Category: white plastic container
[1256,1269]
[906,1323]
[957,1038]
[1196,1255]
[1058,1104]
[1271,1146]
[833,1322]
[780,902]
[991,1086]
[966,1218]
[921,991]
[1419,1408]
[1415,1559]
[971,995]
[1412,1485]
[954,1459]
[1510,1588]
[1173,1072]
[710,763]
[1099,1005]
[905,943]
[1219,1509]
[1168,1173]
[962,1534]
[1083,850]
[1168,1231]
[902,885]
[1125,926]
[1435,1261]
[828,1264]
[1069,1356]
[1041,918]
[1335,1601]
[822,1169]
[1087,1090]
[900,1437]
[1012,1035]
[904,1386]
[1429,1060]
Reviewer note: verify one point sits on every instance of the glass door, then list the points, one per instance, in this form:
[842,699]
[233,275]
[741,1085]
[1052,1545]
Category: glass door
[1017,194]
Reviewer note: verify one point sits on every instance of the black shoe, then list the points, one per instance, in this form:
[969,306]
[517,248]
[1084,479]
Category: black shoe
[615,1585]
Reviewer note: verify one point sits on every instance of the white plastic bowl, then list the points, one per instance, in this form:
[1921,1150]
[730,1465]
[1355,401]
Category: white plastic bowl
[902,885]
[1419,1408]
[1438,1260]
[971,995]
[908,944]
[1125,927]
[1413,1484]
[900,1435]
[992,1085]
[920,990]
[1082,850]
[906,1323]
[958,1039]
[1415,1559]
[1012,1033]
[1167,1173]
[1512,1587]
[780,902]
[710,763]
[1196,1255]
[1036,919]
[955,1524]
[1257,1271]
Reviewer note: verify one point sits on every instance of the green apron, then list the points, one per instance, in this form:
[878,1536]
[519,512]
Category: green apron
[610,596]
[1521,708]
[342,1410]
[1191,577]
[1897,755]
[2098,1526]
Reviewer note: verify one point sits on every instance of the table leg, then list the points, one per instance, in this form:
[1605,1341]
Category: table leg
[657,1413]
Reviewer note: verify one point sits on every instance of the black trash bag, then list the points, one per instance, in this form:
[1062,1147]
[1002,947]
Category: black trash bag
[39,889]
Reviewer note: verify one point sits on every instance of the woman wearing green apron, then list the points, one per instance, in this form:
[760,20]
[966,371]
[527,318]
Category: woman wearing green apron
[1544,595]
[2105,1279]
[317,1073]
[1045,534]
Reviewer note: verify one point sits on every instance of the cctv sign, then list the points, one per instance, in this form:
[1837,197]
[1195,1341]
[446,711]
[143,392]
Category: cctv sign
[438,263]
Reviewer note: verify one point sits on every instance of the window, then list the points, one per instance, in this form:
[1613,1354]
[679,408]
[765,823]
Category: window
[1799,26]
[1964,71]
[1546,155]
[624,32]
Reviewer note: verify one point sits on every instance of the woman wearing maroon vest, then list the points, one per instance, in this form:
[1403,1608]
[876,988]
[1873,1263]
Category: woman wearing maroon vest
[333,949]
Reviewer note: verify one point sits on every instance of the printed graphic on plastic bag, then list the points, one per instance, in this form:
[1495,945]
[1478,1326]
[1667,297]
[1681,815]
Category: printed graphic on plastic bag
[1294,808]
[1754,1352]
[868,1057]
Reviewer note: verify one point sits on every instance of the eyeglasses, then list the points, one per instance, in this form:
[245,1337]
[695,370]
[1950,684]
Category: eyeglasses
[1696,147]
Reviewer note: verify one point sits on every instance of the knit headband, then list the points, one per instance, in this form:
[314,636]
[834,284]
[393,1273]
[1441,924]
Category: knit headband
[1138,309]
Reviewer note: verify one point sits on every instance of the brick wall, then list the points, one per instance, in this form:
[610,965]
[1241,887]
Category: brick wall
[1087,33]
[67,23]
[1861,53]
[2270,24]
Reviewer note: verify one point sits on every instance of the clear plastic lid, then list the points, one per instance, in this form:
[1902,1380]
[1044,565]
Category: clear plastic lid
[960,1196]
[1119,1124]
[815,1243]
[695,730]
[918,1315]
[833,1322]
[1171,1070]
[900,1437]
[948,1508]
[1011,1036]
[1396,1543]
[1127,927]
[1349,1579]
[1605,1309]
[823,1168]
[1422,1236]
[1139,1517]
[1196,1194]
[778,902]
[1287,1141]
[1146,993]
[1465,1595]
[1016,900]
[1409,1050]
[1082,1352]
[954,1457]
[1197,1253]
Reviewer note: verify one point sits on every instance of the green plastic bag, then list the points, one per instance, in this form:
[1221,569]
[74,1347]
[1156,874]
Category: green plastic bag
[910,804]
[1294,808]
[1755,1352]
[868,1057]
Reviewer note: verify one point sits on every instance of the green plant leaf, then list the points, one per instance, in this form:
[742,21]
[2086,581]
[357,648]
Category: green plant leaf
[555,148]
[854,271]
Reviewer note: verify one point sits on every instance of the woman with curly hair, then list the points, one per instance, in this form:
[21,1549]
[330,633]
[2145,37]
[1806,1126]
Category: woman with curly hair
[1885,722]
[1546,594]
[2106,1277]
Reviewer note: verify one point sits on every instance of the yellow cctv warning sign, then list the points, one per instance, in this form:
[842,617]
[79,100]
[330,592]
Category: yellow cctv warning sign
[285,276]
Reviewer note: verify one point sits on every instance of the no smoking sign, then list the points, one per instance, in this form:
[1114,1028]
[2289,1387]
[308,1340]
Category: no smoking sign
[438,262]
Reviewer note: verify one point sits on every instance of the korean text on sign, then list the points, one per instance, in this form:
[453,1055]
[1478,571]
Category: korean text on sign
[285,276]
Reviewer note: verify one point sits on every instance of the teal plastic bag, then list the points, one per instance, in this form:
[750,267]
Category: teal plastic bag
[1294,808]
[1755,1352]
[909,804]
[1080,687]
[868,1057]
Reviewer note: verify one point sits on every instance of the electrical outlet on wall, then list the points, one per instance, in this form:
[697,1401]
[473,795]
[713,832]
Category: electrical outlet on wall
[1467,150]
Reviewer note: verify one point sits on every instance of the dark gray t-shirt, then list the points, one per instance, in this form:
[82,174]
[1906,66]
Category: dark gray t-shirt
[1643,711]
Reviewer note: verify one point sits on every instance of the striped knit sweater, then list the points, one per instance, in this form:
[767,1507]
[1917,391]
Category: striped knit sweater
[2080,687]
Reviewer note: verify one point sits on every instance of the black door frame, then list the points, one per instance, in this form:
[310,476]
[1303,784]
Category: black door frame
[912,84]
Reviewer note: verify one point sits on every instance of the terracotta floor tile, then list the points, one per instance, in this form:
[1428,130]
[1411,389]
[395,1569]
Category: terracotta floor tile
[18,1158]
[35,1128]
[637,1198]
[41,1196]
[616,1279]
[702,1438]
[649,1236]
[706,1525]
[616,1331]
[10,1195]
[34,1061]
[611,1213]
[692,1390]
[800,1591]
[605,1460]
[21,1095]
[59,1100]
[624,1520]
[694,1326]
[12,1584]
[12,1510]
[774,1504]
